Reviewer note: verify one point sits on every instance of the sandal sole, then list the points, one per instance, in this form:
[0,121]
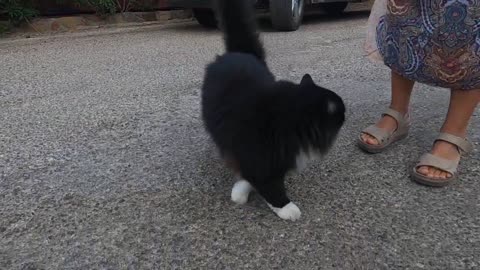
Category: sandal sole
[426,181]
[375,150]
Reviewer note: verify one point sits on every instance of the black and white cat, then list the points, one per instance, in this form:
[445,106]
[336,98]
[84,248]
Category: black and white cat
[264,128]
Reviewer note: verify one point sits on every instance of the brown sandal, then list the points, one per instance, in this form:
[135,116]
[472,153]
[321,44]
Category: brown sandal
[446,165]
[384,137]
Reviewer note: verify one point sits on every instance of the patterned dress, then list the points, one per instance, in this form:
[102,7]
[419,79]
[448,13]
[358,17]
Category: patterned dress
[430,41]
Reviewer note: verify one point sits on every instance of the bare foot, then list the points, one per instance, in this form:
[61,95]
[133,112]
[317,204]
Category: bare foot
[444,150]
[387,123]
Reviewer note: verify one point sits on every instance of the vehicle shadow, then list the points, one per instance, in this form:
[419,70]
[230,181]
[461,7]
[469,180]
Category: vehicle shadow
[312,17]
[316,17]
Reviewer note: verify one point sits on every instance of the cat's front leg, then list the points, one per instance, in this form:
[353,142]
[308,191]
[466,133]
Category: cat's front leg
[240,191]
[275,195]
[288,212]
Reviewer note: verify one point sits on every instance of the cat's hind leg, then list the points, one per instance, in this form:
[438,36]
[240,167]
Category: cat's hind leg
[240,191]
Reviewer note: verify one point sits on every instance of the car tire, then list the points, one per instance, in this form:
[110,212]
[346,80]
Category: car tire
[205,17]
[286,15]
[335,8]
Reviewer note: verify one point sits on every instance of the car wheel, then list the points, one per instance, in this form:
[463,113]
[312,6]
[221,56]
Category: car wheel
[205,17]
[336,8]
[286,15]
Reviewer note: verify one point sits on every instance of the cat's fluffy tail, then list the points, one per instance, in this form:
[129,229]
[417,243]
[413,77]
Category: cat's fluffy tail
[237,18]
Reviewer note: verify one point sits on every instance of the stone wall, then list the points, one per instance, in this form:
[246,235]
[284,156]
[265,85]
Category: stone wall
[51,7]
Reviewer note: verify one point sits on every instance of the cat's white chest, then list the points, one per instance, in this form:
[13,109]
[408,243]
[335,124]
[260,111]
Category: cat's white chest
[304,158]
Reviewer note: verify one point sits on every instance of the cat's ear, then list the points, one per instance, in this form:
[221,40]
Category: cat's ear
[307,80]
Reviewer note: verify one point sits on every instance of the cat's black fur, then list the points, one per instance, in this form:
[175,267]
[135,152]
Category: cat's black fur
[259,124]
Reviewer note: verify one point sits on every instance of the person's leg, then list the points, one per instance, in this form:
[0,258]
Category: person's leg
[462,106]
[401,92]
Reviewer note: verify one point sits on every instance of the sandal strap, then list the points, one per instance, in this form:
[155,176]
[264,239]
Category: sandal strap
[402,121]
[380,134]
[443,164]
[463,144]
[383,136]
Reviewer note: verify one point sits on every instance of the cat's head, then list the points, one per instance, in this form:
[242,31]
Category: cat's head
[323,109]
[323,101]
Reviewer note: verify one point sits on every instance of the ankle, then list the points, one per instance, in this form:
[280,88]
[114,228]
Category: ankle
[401,109]
[459,132]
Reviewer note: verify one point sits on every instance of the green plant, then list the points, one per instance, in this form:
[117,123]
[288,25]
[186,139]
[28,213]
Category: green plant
[108,6]
[142,5]
[125,5]
[4,27]
[100,6]
[17,11]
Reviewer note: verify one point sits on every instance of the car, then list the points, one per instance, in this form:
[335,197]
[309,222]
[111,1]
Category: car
[286,15]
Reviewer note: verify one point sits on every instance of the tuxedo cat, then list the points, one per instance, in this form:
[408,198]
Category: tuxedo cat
[263,127]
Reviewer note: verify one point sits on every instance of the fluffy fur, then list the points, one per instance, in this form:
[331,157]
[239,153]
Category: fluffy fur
[264,128]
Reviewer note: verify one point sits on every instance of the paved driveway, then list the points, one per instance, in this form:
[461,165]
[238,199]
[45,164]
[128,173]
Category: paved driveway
[104,163]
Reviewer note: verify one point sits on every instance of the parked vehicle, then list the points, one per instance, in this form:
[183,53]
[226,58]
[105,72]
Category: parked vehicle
[286,15]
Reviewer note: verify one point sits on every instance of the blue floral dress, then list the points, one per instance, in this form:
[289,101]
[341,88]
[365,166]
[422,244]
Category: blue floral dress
[431,41]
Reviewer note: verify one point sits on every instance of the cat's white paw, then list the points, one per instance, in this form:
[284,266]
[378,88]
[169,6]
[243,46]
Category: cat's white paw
[288,212]
[240,192]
